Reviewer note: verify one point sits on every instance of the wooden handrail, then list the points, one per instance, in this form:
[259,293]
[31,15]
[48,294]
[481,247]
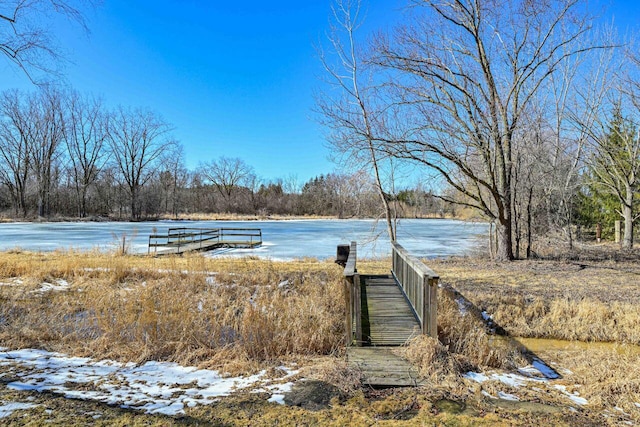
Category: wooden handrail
[350,267]
[419,284]
[352,298]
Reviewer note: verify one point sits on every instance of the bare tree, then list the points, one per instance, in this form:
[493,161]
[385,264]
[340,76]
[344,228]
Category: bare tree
[463,76]
[45,145]
[173,178]
[227,175]
[137,139]
[576,93]
[351,114]
[85,136]
[15,126]
[25,38]
[615,162]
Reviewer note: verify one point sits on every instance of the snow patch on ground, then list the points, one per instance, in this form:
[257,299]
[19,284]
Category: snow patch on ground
[12,281]
[575,397]
[279,391]
[507,396]
[58,286]
[512,380]
[7,408]
[527,375]
[154,387]
[462,306]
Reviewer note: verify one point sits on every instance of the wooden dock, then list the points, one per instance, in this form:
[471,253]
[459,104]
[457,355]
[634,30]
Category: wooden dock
[386,311]
[182,239]
[387,317]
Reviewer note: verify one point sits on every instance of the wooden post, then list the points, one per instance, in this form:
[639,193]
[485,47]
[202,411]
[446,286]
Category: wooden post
[433,308]
[425,306]
[349,309]
[598,232]
[352,282]
[618,225]
[357,313]
[430,307]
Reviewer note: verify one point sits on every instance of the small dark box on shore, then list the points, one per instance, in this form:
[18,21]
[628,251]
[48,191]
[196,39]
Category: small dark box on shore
[342,255]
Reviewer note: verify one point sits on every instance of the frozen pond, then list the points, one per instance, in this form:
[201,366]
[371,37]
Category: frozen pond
[427,238]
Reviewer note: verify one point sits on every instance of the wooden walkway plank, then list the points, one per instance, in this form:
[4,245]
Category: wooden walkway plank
[378,366]
[389,319]
[193,247]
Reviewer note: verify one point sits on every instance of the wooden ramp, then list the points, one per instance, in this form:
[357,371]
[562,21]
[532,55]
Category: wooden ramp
[378,366]
[387,317]
[387,321]
[386,311]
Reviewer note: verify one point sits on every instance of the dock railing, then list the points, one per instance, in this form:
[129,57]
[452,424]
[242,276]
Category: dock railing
[202,238]
[352,298]
[419,284]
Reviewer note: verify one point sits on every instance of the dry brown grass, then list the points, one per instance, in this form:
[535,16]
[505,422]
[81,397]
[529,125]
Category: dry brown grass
[140,308]
[463,331]
[434,361]
[609,380]
[240,315]
[586,300]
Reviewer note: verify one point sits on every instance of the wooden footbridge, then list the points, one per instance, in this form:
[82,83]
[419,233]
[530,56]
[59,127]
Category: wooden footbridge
[183,239]
[386,311]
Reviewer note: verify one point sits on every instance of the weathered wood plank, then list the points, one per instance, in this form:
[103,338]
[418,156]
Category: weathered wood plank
[380,367]
[389,319]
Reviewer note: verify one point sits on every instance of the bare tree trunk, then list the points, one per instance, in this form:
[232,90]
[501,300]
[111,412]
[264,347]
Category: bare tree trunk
[353,137]
[504,251]
[627,214]
[529,222]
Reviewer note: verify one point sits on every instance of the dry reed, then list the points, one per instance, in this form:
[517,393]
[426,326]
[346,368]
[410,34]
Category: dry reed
[226,313]
[587,301]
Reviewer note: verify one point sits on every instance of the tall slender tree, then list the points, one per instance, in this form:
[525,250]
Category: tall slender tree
[137,139]
[15,126]
[85,137]
[46,113]
[350,112]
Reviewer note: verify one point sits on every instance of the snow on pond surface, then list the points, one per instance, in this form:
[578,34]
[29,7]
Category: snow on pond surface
[154,387]
[284,240]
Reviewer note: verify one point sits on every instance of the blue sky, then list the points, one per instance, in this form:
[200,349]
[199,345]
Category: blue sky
[235,79]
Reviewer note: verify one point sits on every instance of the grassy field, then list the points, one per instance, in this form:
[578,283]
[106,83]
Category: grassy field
[244,316]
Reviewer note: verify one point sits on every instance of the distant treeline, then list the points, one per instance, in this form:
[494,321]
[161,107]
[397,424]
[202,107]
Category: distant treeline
[65,155]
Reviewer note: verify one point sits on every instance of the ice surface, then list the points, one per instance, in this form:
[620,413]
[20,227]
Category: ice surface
[537,368]
[283,240]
